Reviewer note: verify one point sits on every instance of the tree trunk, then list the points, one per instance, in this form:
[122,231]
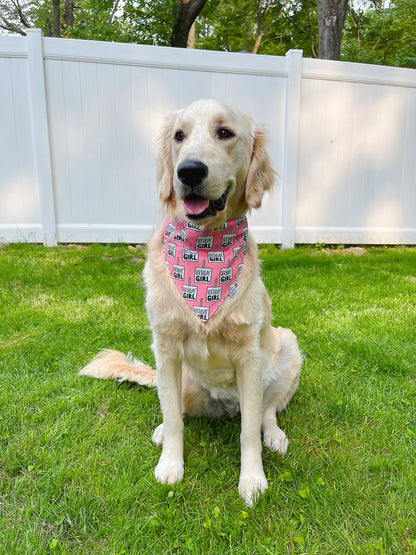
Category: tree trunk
[257,43]
[69,13]
[187,13]
[191,37]
[331,18]
[56,19]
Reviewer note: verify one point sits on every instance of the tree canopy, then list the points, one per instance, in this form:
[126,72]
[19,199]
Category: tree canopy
[375,31]
[383,33]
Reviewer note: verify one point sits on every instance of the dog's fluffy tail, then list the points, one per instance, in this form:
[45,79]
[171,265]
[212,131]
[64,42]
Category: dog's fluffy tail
[117,366]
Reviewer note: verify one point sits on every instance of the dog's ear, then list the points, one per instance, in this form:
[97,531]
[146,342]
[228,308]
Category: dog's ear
[164,165]
[260,176]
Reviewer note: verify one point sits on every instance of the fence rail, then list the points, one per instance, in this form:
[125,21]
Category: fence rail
[79,120]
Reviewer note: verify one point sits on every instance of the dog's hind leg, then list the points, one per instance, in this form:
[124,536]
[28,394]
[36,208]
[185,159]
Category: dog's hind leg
[287,361]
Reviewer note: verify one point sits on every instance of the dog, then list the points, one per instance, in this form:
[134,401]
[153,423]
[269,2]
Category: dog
[215,349]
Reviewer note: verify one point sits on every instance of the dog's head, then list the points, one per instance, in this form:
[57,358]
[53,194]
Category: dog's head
[212,164]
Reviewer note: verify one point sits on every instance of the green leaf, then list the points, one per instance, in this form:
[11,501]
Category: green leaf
[304,492]
[300,540]
[154,522]
[336,437]
[286,477]
[54,543]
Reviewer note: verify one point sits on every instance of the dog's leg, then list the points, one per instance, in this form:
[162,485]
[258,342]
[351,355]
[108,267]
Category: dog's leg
[252,478]
[286,369]
[274,438]
[170,466]
[196,401]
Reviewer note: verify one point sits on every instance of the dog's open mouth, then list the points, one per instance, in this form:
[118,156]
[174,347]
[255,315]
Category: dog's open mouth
[200,208]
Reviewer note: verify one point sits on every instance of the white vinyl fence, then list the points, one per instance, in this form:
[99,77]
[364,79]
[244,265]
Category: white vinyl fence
[79,121]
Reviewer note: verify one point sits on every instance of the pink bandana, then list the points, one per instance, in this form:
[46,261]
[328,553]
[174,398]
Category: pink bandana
[205,263]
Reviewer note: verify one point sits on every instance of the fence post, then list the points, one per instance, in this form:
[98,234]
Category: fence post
[39,113]
[290,164]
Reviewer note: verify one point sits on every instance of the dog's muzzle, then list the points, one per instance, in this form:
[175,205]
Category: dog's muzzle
[192,174]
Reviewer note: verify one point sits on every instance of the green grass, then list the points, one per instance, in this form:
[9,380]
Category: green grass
[76,458]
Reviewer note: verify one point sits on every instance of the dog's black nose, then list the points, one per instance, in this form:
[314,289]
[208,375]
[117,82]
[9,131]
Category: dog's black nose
[192,172]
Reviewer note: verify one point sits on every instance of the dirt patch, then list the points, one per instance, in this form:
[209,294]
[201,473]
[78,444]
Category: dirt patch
[356,251]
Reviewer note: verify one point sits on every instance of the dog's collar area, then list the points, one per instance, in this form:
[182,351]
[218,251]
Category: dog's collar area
[205,263]
[198,208]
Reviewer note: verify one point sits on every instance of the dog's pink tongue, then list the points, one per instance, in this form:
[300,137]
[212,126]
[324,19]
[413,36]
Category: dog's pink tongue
[195,205]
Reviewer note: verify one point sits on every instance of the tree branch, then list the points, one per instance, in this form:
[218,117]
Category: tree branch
[260,19]
[355,23]
[113,12]
[307,32]
[21,14]
[9,26]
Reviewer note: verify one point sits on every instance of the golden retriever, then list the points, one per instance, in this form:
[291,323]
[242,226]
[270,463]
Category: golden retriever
[212,169]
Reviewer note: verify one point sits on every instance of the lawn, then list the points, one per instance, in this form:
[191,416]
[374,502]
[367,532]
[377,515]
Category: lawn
[76,460]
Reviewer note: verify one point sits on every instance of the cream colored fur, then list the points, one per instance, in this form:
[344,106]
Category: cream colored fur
[236,361]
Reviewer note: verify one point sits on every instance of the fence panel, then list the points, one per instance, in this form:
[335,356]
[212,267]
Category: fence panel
[20,217]
[357,179]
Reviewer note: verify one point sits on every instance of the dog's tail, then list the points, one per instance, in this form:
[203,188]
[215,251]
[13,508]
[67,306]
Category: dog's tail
[117,366]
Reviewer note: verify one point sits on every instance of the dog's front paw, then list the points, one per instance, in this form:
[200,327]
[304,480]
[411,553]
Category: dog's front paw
[250,487]
[275,439]
[169,472]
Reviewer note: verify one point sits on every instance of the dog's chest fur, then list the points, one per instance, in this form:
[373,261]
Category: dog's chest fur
[210,362]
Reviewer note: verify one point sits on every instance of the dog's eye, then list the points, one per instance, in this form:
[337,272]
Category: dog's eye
[224,133]
[179,136]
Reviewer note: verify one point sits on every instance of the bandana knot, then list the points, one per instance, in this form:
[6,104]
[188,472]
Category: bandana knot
[205,263]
